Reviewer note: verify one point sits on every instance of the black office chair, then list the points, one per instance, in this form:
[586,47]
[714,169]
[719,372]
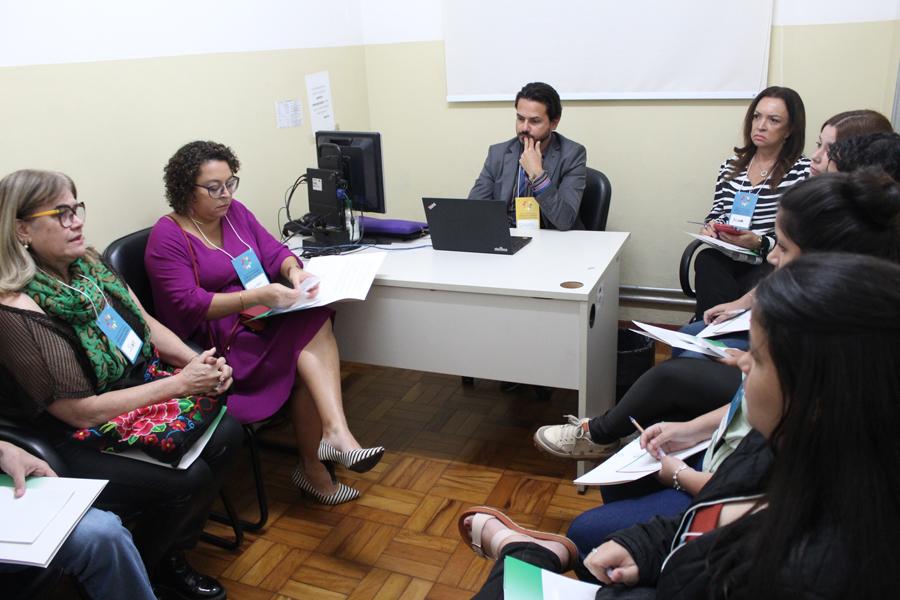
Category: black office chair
[595,201]
[32,582]
[684,268]
[126,256]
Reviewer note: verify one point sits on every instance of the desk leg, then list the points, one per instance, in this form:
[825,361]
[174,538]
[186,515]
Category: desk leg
[597,371]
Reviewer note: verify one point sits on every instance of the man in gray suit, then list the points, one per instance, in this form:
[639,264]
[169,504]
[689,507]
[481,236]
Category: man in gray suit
[537,162]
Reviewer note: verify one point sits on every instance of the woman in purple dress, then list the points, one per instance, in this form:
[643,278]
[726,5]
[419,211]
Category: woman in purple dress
[208,261]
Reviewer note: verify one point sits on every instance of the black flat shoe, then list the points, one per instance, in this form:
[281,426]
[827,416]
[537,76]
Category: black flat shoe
[177,579]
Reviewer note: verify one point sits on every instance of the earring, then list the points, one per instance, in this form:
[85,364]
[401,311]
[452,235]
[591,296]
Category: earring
[26,244]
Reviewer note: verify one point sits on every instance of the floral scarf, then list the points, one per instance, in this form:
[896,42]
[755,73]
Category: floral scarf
[74,308]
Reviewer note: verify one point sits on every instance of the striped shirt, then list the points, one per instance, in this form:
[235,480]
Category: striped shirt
[763,221]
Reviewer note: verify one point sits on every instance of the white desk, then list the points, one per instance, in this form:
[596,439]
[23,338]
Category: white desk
[506,318]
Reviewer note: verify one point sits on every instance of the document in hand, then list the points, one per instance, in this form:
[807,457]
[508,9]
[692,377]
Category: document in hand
[630,464]
[342,277]
[730,250]
[33,527]
[524,581]
[739,323]
[685,341]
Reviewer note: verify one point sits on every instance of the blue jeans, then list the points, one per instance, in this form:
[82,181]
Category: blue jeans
[624,506]
[100,554]
[738,340]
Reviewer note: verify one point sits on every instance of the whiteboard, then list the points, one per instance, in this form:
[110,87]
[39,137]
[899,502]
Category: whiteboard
[607,49]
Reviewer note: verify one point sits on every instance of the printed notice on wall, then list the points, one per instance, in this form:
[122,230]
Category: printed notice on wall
[288,113]
[321,109]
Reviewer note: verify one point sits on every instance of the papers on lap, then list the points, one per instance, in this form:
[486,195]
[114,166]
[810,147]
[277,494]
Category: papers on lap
[524,581]
[685,341]
[45,515]
[345,277]
[189,457]
[630,464]
[739,323]
[730,250]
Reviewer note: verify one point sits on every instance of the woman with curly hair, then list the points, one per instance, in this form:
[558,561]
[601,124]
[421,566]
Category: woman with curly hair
[209,260]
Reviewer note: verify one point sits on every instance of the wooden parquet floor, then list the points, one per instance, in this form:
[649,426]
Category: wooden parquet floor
[449,447]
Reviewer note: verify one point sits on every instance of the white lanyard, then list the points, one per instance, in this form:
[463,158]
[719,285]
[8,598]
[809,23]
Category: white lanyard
[197,225]
[75,289]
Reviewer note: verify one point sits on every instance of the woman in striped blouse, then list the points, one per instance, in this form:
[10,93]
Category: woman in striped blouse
[769,163]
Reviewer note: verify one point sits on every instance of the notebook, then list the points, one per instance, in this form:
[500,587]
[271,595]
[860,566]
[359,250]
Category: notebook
[470,226]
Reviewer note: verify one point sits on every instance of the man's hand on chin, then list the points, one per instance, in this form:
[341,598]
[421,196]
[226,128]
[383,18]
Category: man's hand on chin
[531,159]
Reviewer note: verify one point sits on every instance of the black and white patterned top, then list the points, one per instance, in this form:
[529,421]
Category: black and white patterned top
[763,221]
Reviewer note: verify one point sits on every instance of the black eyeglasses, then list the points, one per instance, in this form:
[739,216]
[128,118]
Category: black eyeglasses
[216,189]
[64,213]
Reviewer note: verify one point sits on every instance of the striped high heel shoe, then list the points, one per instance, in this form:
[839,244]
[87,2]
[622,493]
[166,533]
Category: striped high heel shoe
[360,460]
[343,493]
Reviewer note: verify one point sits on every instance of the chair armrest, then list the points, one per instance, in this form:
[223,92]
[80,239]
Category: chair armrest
[684,268]
[33,442]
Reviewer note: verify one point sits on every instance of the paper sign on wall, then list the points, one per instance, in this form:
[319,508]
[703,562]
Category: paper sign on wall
[288,113]
[318,92]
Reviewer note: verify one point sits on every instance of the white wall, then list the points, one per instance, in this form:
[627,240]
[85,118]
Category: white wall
[73,97]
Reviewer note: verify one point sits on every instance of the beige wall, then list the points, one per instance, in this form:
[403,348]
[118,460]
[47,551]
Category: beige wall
[661,156]
[112,125]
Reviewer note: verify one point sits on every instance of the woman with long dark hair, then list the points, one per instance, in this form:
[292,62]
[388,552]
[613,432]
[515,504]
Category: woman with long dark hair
[748,189]
[806,505]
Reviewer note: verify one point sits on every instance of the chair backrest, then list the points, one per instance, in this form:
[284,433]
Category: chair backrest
[595,201]
[126,255]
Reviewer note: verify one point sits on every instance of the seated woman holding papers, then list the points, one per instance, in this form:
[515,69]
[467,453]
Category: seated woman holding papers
[840,127]
[857,212]
[748,189]
[783,516]
[209,260]
[82,361]
[99,551]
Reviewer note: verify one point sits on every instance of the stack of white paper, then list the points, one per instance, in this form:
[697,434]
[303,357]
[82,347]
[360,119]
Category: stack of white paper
[630,464]
[685,341]
[345,277]
[33,527]
[735,325]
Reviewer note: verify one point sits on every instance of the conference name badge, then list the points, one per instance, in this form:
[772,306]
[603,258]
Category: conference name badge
[119,333]
[249,270]
[528,213]
[742,209]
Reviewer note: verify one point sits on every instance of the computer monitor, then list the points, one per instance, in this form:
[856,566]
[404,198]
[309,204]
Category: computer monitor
[357,155]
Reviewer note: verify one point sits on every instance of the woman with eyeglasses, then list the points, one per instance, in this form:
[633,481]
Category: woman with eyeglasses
[62,372]
[209,260]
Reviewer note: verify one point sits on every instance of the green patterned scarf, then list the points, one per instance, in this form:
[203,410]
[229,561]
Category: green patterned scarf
[75,309]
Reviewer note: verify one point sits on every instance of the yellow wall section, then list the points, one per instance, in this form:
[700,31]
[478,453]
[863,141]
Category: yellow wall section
[112,126]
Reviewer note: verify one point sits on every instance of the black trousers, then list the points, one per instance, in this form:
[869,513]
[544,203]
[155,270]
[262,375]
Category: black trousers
[545,559]
[719,279]
[675,390]
[166,507]
[524,551]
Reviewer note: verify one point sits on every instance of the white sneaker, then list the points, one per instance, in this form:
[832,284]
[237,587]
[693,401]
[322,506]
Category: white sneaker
[572,440]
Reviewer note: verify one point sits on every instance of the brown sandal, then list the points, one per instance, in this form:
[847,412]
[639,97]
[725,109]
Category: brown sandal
[482,514]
